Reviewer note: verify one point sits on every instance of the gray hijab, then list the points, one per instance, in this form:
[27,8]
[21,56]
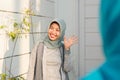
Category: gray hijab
[57,43]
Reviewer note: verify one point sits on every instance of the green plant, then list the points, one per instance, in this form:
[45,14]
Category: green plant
[3,76]
[2,26]
[22,26]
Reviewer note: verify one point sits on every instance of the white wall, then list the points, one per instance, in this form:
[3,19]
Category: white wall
[11,10]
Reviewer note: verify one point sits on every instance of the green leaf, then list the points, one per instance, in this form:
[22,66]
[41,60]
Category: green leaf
[21,78]
[12,79]
[15,24]
[29,12]
[27,23]
[3,76]
[17,78]
[2,26]
[12,35]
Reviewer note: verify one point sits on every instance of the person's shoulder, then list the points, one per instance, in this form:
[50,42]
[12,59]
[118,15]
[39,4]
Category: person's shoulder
[38,43]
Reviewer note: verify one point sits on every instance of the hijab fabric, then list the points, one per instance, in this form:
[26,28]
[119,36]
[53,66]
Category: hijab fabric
[57,43]
[110,32]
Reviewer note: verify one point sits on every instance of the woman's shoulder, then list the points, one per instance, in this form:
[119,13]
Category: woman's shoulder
[38,43]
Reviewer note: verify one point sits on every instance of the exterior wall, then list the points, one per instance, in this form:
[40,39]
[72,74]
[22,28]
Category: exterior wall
[15,54]
[91,51]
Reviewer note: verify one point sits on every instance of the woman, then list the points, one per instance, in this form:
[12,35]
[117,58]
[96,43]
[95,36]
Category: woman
[50,58]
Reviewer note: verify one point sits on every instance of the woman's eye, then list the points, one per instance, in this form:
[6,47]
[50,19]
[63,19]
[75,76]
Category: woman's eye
[57,30]
[51,28]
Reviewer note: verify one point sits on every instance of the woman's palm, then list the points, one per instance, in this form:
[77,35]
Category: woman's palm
[70,41]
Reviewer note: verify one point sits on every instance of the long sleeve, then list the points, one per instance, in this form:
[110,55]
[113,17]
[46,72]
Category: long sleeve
[67,61]
[32,63]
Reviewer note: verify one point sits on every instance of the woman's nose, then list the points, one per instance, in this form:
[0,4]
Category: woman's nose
[54,31]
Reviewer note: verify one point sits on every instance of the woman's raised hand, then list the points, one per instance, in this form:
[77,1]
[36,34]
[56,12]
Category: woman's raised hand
[70,41]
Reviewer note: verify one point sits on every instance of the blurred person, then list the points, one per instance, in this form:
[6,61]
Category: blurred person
[110,33]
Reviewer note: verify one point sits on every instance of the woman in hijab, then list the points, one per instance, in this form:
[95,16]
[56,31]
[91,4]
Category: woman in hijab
[110,32]
[50,59]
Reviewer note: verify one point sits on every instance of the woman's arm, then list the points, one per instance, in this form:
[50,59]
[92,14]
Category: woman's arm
[67,59]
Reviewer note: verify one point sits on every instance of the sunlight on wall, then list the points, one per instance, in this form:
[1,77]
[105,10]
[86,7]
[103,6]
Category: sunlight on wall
[14,55]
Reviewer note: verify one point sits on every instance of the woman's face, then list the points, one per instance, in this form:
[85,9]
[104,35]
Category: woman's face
[54,32]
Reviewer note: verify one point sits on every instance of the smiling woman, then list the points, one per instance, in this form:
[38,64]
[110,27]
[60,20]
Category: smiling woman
[50,58]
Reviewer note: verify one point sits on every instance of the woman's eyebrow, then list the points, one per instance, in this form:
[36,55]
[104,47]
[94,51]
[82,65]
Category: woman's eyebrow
[50,26]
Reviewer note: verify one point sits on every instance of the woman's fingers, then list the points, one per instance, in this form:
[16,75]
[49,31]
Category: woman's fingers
[70,41]
[73,39]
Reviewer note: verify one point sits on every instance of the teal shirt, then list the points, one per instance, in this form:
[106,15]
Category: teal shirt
[110,34]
